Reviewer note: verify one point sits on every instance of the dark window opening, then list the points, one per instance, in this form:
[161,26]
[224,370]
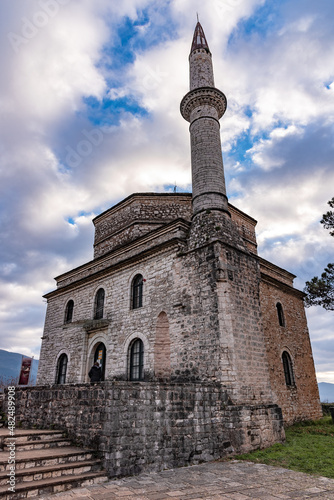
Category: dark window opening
[61,369]
[100,356]
[99,304]
[137,360]
[69,311]
[137,292]
[288,370]
[280,314]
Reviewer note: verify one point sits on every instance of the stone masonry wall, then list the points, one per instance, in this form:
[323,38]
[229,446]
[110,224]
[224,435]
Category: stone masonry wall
[209,296]
[143,426]
[244,223]
[201,70]
[277,273]
[174,285]
[231,327]
[207,163]
[200,319]
[242,338]
[246,227]
[301,400]
[138,215]
[161,237]
[120,325]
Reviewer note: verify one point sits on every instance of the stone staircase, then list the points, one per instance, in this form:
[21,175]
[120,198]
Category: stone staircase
[45,463]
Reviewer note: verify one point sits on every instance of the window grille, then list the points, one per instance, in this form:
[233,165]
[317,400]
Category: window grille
[137,360]
[137,292]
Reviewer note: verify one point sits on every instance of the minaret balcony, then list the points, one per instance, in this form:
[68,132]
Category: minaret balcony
[208,96]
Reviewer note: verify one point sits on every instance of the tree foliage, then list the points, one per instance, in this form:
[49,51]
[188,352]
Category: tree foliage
[328,218]
[320,291]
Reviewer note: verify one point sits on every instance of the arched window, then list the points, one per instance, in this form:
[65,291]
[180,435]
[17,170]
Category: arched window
[137,292]
[280,314]
[288,369]
[99,304]
[61,369]
[100,356]
[69,311]
[137,360]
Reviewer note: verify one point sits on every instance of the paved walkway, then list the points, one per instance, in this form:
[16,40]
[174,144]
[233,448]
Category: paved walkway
[211,481]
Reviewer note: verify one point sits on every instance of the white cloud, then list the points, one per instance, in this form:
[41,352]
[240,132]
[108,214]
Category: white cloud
[325,377]
[52,72]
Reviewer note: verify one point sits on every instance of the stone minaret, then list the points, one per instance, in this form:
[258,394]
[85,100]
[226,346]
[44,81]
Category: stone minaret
[203,106]
[224,271]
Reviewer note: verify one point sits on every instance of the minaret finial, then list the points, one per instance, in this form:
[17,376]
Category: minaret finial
[199,40]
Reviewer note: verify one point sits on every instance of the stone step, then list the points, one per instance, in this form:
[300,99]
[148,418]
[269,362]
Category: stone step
[38,473]
[44,457]
[45,463]
[37,445]
[27,436]
[52,485]
[23,436]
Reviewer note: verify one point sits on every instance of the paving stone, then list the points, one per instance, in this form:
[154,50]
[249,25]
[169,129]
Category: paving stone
[211,481]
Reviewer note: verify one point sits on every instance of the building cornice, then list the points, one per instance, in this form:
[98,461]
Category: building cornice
[276,269]
[138,196]
[266,278]
[172,234]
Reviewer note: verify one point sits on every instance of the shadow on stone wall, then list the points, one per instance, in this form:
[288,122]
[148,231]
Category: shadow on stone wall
[150,426]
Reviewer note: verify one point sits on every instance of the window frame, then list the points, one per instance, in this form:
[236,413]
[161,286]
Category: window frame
[288,369]
[136,360]
[99,299]
[101,346]
[137,292]
[61,369]
[68,318]
[280,314]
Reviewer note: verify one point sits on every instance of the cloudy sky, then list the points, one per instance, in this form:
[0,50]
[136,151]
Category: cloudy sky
[89,101]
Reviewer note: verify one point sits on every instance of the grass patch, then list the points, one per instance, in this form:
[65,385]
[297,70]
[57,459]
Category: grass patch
[309,448]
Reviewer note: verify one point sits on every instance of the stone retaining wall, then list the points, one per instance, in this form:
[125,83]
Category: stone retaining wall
[150,426]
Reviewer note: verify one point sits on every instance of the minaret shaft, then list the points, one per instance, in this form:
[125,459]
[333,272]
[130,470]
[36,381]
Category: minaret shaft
[207,164]
[203,106]
[201,70]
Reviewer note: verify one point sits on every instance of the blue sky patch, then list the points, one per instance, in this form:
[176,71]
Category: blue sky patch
[137,36]
[174,188]
[109,112]
[265,20]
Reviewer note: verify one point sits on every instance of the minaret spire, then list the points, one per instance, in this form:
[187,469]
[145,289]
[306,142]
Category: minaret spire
[199,39]
[203,106]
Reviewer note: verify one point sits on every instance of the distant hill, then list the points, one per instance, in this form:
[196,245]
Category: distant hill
[326,392]
[10,366]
